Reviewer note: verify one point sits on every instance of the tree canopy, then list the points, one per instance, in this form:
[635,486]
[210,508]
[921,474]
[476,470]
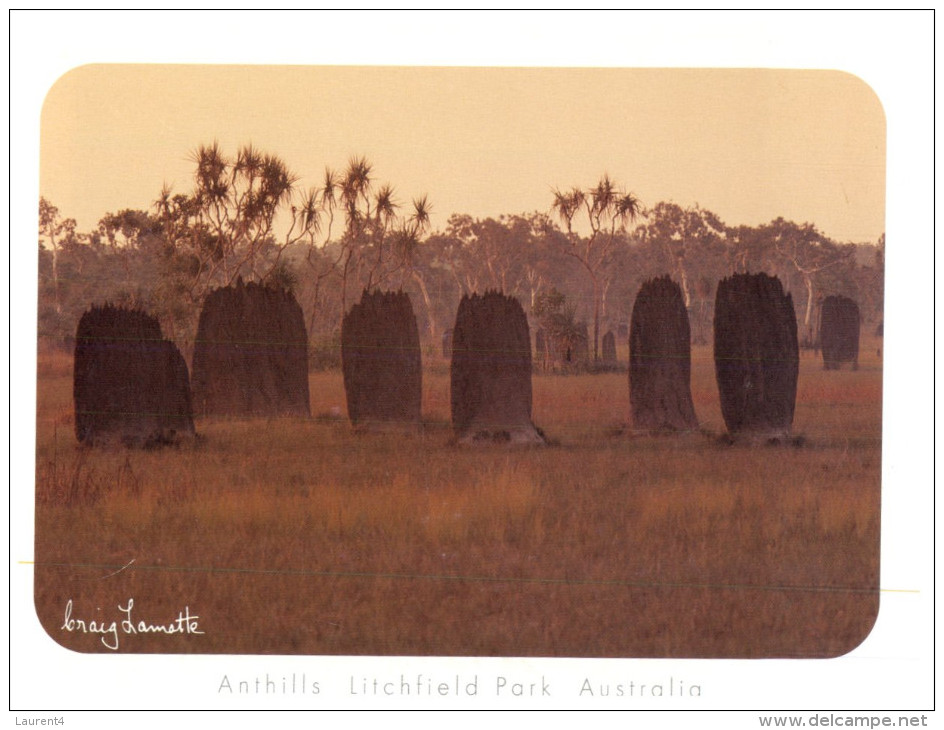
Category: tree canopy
[589,253]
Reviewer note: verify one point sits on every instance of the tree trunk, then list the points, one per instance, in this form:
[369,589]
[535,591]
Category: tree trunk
[430,315]
[683,278]
[596,320]
[607,282]
[344,271]
[808,280]
[55,273]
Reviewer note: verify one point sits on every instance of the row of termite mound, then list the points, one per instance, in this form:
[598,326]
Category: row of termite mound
[756,353]
[756,357]
[130,385]
[250,359]
[490,374]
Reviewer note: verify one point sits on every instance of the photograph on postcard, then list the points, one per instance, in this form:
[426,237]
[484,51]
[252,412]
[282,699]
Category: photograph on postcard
[505,362]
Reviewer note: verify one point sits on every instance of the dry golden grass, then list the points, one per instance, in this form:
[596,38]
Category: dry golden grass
[296,536]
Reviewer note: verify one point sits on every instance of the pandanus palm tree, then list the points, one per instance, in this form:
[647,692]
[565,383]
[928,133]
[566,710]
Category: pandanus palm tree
[608,209]
[234,204]
[377,241]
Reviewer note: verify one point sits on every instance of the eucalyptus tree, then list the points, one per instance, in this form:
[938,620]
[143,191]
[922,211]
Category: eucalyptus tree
[607,210]
[53,231]
[688,237]
[872,286]
[492,253]
[811,254]
[747,249]
[690,242]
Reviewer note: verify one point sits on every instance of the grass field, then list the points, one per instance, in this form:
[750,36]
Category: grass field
[297,536]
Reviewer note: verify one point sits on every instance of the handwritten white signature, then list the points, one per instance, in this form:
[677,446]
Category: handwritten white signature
[185,623]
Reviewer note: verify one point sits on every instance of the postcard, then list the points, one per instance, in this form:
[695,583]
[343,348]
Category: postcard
[430,381]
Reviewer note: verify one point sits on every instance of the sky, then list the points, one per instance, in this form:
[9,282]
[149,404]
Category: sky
[750,145]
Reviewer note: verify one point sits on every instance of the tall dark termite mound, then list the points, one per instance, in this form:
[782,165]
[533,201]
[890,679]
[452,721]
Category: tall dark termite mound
[756,355]
[251,354]
[491,371]
[608,348]
[839,332]
[660,351]
[130,385]
[380,354]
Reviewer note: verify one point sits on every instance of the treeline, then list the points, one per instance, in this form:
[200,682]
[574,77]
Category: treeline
[580,264]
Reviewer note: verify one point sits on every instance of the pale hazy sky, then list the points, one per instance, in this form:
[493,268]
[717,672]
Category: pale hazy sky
[749,145]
